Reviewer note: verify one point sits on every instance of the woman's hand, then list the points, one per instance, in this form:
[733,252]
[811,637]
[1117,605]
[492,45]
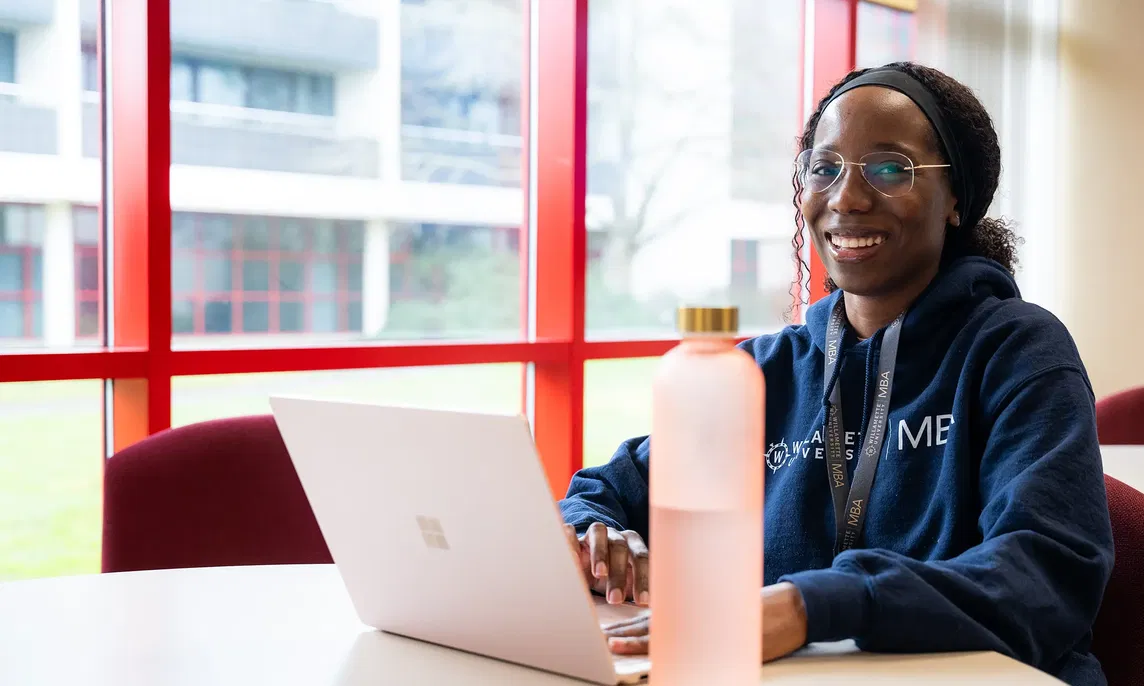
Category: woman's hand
[615,563]
[784,625]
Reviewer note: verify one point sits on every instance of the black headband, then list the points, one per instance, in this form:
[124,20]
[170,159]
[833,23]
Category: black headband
[923,98]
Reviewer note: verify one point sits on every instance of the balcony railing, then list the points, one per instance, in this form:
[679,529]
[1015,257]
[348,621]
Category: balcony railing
[258,119]
[440,155]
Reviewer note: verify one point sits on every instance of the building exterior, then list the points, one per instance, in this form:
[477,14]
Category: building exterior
[350,168]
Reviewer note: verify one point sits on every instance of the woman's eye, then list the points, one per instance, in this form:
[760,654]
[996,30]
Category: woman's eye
[889,169]
[824,169]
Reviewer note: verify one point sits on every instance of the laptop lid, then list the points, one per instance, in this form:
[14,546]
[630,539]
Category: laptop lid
[443,529]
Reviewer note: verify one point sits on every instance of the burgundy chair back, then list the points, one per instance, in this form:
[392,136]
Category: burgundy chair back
[1119,629]
[1120,418]
[219,493]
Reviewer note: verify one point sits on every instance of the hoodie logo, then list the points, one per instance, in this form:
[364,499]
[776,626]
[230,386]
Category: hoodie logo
[777,455]
[932,430]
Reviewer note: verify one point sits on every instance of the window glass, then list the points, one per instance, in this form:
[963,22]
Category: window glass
[182,275]
[221,85]
[256,275]
[320,271]
[90,68]
[255,317]
[216,317]
[324,315]
[11,272]
[182,80]
[51,470]
[316,96]
[8,57]
[270,89]
[12,319]
[216,275]
[324,277]
[292,278]
[290,317]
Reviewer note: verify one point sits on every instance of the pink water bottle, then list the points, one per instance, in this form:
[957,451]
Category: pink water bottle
[706,537]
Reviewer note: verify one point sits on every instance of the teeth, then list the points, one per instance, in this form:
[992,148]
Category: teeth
[863,242]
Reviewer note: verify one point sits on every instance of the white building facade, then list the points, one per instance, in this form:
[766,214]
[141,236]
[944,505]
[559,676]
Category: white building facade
[351,168]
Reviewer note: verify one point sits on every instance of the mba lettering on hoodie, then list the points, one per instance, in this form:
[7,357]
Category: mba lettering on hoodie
[928,432]
[934,429]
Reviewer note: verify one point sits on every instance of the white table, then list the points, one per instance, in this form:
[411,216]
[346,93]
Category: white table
[294,625]
[1125,463]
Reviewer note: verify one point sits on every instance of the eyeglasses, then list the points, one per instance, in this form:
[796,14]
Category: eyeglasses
[890,173]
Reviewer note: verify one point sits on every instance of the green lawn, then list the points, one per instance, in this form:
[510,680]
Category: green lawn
[50,437]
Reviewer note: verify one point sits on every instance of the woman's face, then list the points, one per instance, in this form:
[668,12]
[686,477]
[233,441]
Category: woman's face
[907,231]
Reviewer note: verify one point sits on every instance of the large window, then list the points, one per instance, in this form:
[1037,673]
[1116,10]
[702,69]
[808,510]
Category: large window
[347,216]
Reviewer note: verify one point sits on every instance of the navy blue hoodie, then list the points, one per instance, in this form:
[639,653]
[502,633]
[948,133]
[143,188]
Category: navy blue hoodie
[987,524]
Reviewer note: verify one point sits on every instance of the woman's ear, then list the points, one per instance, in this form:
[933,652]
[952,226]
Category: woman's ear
[955,218]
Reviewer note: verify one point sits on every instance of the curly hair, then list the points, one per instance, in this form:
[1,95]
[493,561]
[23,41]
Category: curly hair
[980,155]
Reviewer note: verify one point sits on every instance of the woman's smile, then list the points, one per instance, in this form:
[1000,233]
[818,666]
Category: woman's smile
[855,246]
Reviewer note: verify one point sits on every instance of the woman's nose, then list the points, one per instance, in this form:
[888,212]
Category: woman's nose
[850,193]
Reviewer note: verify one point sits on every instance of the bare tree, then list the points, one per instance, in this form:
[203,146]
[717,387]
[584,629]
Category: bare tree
[649,127]
[633,154]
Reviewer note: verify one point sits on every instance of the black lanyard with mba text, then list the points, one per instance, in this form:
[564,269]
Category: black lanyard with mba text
[852,502]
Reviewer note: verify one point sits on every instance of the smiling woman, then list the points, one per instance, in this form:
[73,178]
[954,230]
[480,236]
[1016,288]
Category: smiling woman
[955,536]
[912,151]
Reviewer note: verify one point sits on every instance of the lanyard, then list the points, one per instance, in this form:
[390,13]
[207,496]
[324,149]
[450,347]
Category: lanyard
[852,502]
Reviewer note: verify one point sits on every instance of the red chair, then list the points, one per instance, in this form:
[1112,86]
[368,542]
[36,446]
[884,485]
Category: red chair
[1119,629]
[219,493]
[1120,418]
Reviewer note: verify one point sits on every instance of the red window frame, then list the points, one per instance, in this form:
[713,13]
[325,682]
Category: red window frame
[138,361]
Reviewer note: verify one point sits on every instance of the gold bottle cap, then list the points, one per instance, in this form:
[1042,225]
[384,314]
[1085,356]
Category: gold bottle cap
[708,320]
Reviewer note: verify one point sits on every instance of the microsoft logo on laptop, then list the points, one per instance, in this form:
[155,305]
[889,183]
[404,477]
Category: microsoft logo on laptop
[432,532]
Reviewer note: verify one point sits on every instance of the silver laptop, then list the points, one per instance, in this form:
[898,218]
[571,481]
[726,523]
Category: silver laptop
[443,529]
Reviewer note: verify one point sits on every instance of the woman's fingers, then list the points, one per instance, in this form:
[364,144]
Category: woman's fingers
[597,536]
[637,645]
[617,567]
[640,568]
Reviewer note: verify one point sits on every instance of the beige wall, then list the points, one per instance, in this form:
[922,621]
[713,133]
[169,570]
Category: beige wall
[1101,198]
